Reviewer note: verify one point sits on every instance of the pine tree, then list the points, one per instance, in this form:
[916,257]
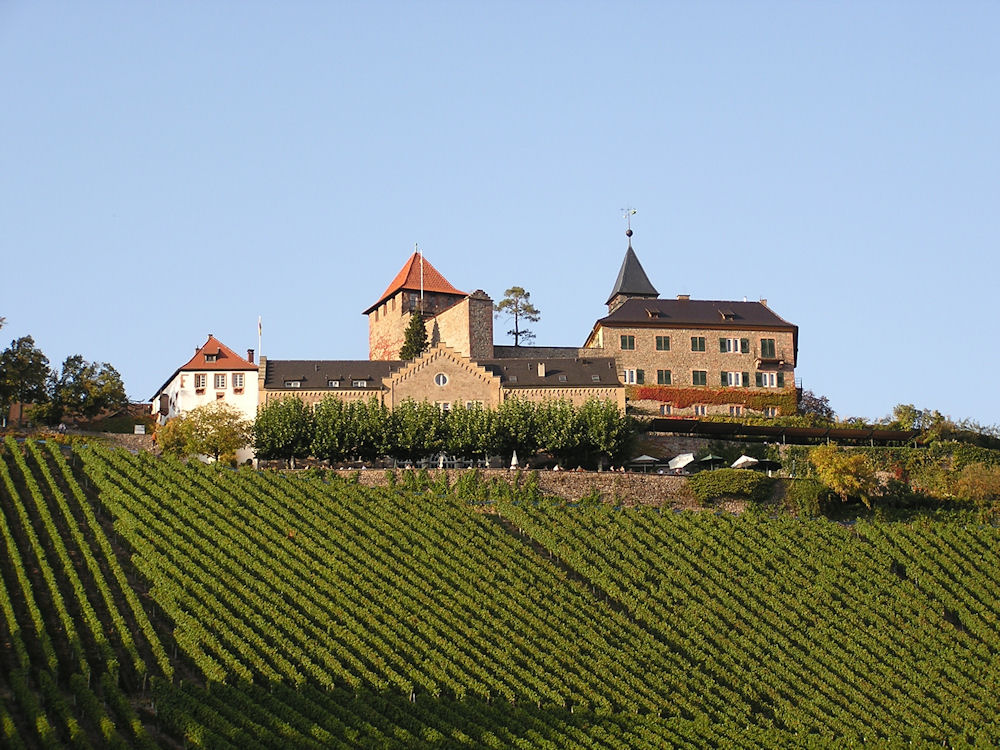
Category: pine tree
[415,337]
[516,304]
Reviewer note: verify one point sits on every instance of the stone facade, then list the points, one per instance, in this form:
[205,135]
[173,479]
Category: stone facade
[577,396]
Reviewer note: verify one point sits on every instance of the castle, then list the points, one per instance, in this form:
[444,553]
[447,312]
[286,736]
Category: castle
[669,357]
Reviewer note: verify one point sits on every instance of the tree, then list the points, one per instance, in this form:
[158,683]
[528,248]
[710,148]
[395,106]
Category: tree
[217,429]
[417,430]
[284,429]
[415,337]
[847,474]
[909,417]
[516,304]
[24,375]
[608,431]
[817,406]
[980,483]
[84,389]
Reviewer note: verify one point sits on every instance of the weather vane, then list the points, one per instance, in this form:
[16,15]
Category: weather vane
[627,214]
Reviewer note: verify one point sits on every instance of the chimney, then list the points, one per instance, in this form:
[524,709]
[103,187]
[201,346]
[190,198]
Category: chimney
[250,356]
[763,301]
[541,369]
[684,296]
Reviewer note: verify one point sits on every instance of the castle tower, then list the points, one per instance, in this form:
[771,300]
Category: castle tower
[418,285]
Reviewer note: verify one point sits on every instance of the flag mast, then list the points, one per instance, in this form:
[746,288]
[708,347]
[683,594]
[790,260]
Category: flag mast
[415,247]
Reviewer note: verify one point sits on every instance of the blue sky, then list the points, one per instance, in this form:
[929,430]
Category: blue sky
[169,170]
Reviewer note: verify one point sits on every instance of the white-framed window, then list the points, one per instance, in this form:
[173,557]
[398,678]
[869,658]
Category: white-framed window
[441,379]
[359,384]
[443,406]
[473,404]
[734,379]
[293,384]
[333,384]
[562,378]
[237,380]
[200,380]
[767,379]
[211,357]
[634,377]
[220,380]
[770,411]
[665,410]
[700,410]
[595,378]
[735,410]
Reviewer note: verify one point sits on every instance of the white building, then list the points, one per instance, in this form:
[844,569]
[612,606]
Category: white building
[214,373]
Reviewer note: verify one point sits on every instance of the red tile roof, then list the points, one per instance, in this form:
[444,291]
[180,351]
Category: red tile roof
[409,278]
[225,358]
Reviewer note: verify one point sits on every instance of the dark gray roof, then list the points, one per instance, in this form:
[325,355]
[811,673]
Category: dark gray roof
[315,374]
[632,280]
[559,372]
[693,313]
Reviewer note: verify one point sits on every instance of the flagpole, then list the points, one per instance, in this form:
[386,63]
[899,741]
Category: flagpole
[259,332]
[415,247]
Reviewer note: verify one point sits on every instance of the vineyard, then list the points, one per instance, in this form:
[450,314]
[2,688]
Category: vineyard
[149,603]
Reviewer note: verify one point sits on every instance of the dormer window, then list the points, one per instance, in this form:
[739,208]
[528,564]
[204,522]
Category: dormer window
[562,378]
[727,314]
[211,357]
[293,384]
[359,383]
[596,378]
[333,384]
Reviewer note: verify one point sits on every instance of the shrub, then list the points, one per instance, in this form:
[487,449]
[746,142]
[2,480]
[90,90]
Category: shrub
[847,474]
[806,497]
[981,484]
[742,483]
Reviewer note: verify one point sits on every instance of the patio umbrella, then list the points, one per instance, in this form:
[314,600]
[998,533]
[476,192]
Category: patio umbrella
[744,462]
[644,461]
[513,460]
[712,461]
[679,462]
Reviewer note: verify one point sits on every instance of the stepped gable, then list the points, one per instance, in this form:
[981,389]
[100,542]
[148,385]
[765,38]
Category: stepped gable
[408,279]
[632,280]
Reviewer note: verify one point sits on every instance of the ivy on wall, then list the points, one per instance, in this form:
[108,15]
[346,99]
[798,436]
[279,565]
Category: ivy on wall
[785,399]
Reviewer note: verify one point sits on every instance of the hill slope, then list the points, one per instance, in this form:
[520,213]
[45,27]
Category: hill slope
[257,609]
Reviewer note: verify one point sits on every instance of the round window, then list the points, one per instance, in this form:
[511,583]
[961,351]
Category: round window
[441,379]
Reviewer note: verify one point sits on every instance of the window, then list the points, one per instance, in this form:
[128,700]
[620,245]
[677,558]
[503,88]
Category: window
[359,384]
[767,348]
[628,342]
[663,377]
[699,377]
[293,384]
[562,378]
[596,378]
[220,380]
[663,343]
[665,410]
[734,346]
[237,380]
[736,411]
[700,410]
[735,379]
[697,343]
[441,379]
[200,380]
[770,379]
[443,406]
[635,377]
[333,384]
[211,357]
[473,404]
[770,411]
[512,379]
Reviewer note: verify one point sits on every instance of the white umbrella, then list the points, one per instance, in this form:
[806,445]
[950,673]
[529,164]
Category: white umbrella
[513,460]
[744,462]
[679,462]
[644,459]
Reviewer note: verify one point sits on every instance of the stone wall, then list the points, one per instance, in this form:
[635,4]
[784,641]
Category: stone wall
[463,381]
[619,488]
[467,327]
[541,352]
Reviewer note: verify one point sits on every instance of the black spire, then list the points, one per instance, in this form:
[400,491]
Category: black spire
[632,280]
